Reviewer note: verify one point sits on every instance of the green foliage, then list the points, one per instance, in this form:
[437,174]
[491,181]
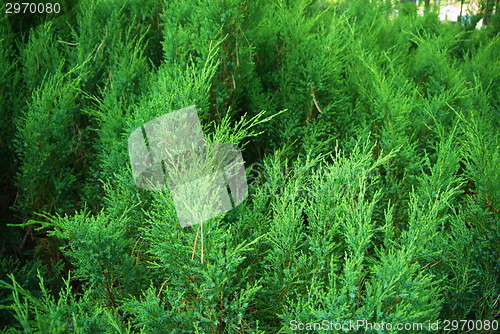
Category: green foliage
[47,155]
[61,313]
[370,137]
[99,248]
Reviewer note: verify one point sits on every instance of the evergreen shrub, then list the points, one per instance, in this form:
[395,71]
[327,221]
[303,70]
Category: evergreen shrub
[372,153]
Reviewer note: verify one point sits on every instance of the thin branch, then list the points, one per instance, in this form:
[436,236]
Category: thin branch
[201,231]
[100,45]
[194,247]
[73,44]
[436,263]
[315,101]
[161,287]
[250,328]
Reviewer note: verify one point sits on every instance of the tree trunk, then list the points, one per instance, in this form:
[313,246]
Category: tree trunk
[488,10]
[461,10]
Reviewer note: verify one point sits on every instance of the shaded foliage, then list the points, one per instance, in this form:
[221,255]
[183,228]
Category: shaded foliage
[372,150]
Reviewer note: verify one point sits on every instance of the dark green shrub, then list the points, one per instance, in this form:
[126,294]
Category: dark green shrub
[371,146]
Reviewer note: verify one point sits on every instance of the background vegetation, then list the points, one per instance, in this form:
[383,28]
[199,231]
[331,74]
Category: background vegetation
[374,191]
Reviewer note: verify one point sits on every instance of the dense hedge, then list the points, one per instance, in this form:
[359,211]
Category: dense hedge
[374,179]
